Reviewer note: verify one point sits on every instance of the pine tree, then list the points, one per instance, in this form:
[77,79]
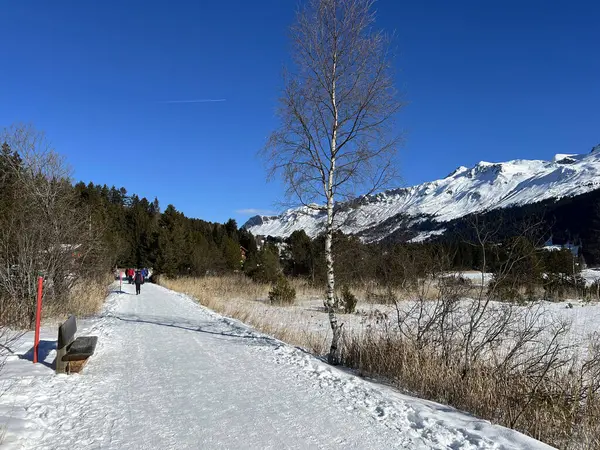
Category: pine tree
[232,254]
[300,251]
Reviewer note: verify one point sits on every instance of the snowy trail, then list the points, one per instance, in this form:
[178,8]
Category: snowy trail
[171,374]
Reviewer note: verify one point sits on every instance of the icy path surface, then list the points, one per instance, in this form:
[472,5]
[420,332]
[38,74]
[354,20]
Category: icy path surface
[170,374]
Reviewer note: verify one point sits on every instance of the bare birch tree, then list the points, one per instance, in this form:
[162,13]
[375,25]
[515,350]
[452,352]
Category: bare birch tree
[335,139]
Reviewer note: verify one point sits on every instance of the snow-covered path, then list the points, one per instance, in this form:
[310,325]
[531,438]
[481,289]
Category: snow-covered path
[171,374]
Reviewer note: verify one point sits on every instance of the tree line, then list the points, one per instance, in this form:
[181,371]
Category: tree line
[137,233]
[519,266]
[77,234]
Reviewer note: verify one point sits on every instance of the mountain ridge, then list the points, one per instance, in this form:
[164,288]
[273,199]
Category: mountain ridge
[482,188]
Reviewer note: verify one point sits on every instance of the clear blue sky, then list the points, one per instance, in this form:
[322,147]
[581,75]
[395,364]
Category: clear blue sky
[483,80]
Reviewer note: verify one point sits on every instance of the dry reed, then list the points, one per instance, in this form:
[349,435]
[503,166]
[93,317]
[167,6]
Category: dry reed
[84,299]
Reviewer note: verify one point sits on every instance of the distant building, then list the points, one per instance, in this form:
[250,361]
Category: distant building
[260,241]
[573,248]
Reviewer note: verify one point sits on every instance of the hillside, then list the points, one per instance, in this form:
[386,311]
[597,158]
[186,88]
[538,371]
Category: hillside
[423,209]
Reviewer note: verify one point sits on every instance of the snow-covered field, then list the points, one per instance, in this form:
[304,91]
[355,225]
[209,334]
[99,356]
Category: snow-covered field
[308,317]
[590,276]
[474,276]
[169,373]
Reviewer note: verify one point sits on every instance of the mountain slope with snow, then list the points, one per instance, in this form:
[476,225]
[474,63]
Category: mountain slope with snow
[465,191]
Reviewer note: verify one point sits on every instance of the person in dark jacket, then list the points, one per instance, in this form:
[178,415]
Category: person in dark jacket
[139,280]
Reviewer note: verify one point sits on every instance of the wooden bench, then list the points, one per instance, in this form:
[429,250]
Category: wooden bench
[71,353]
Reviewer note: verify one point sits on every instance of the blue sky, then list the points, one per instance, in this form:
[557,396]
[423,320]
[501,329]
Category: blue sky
[483,80]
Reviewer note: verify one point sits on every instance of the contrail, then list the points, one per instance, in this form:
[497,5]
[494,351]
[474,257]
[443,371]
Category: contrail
[206,100]
[255,211]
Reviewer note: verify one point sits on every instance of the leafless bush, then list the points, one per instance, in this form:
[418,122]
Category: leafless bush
[504,362]
[43,232]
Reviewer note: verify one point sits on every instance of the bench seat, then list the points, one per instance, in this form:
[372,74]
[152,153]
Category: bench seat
[82,348]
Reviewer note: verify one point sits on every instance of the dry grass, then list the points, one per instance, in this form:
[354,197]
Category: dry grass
[85,299]
[375,293]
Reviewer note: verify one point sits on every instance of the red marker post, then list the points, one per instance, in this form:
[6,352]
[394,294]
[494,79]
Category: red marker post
[38,319]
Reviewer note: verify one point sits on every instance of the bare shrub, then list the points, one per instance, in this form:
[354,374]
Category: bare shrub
[508,362]
[504,362]
[43,231]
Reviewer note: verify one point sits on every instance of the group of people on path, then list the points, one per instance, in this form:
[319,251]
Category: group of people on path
[137,277]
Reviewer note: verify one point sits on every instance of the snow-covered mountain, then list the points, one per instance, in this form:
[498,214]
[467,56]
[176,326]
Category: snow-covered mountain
[482,188]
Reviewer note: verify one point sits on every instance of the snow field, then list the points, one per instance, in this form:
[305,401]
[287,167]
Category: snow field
[169,373]
[307,324]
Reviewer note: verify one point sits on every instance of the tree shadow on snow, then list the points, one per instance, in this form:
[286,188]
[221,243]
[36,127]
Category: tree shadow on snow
[44,349]
[207,328]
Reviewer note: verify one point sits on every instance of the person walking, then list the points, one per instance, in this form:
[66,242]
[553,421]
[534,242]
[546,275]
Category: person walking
[139,280]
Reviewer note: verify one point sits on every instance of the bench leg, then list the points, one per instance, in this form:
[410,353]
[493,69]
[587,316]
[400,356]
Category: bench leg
[61,366]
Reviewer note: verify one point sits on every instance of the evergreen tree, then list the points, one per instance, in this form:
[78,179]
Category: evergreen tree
[300,254]
[231,254]
[592,243]
[231,229]
[263,266]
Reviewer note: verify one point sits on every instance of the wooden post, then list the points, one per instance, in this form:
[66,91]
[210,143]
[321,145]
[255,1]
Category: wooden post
[61,366]
[38,319]
[66,335]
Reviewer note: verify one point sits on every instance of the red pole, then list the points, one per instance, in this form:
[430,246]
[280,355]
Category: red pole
[38,318]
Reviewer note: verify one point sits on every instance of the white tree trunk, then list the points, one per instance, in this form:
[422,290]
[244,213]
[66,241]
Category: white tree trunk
[334,356]
[330,303]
